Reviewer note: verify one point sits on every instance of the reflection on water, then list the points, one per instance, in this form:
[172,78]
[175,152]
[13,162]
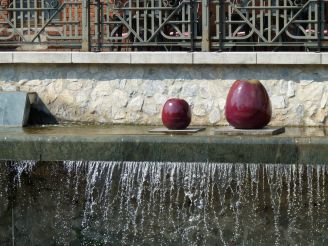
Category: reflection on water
[146,203]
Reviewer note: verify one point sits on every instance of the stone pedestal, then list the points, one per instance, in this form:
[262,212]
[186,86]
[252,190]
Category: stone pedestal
[229,130]
[15,108]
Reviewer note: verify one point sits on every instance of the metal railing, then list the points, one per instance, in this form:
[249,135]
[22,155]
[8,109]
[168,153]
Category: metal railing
[140,25]
[169,25]
[40,22]
[274,24]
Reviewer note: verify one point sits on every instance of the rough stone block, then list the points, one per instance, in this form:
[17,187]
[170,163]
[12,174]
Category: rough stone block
[14,108]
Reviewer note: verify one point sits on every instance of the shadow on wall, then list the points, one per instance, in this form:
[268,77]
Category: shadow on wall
[40,114]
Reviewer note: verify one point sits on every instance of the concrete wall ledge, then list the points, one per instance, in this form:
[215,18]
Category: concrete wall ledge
[284,150]
[135,58]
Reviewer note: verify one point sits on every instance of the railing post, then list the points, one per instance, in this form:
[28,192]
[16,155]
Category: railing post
[192,25]
[100,25]
[85,25]
[320,34]
[205,25]
[221,24]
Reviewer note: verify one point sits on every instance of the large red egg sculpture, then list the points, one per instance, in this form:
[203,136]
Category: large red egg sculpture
[248,105]
[176,114]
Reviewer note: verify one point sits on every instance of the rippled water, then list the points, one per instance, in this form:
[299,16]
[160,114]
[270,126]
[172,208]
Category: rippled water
[148,203]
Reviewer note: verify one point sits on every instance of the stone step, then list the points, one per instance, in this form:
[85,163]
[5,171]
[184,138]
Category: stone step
[15,107]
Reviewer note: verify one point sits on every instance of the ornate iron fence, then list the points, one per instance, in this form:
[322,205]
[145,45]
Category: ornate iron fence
[164,24]
[275,24]
[152,24]
[40,22]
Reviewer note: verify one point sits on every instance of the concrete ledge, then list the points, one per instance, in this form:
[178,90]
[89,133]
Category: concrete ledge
[298,58]
[195,148]
[224,58]
[214,58]
[6,57]
[324,58]
[161,58]
[42,57]
[102,57]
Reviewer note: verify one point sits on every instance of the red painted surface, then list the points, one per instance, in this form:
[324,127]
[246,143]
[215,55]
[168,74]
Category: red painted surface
[248,105]
[176,114]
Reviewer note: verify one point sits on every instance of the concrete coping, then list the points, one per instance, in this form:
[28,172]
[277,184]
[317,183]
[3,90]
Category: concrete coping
[136,143]
[198,148]
[212,58]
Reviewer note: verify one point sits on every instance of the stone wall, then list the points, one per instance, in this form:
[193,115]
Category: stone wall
[134,94]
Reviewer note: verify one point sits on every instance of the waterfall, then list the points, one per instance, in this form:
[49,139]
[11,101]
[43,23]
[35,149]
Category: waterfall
[159,203]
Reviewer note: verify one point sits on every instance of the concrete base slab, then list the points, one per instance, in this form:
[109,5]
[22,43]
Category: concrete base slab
[15,108]
[229,130]
[184,131]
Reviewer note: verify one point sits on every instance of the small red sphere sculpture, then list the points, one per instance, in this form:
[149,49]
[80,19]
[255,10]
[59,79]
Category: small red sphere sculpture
[176,114]
[248,105]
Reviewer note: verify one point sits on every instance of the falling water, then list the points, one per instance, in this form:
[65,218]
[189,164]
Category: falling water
[148,203]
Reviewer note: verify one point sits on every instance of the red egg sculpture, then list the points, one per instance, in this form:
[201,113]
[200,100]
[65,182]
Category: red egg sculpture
[176,114]
[248,105]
